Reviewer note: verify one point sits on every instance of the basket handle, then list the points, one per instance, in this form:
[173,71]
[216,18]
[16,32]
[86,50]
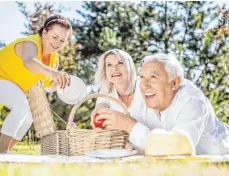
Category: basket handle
[95,95]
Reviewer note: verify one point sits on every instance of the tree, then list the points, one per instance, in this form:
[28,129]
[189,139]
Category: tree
[216,77]
[148,27]
[108,25]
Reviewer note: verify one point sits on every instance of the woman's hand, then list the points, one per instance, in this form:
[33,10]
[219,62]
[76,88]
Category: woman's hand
[116,120]
[62,79]
[98,106]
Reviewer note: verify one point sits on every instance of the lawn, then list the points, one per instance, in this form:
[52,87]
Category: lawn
[27,148]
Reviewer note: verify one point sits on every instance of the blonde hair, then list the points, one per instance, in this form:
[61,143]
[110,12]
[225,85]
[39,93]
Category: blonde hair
[100,76]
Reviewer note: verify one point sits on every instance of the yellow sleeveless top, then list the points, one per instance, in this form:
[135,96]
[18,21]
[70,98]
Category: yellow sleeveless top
[12,68]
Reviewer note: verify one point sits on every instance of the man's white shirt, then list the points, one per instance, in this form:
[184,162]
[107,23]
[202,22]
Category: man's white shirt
[192,113]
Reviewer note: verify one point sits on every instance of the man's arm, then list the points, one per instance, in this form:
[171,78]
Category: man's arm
[192,120]
[139,135]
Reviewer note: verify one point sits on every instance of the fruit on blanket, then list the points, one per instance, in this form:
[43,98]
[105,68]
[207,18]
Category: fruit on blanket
[99,123]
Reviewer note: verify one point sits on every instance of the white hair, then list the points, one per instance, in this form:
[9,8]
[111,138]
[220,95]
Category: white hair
[172,65]
[100,76]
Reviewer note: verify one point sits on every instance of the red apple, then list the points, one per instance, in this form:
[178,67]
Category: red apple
[99,123]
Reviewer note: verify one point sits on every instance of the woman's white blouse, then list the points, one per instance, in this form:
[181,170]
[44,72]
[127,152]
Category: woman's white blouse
[192,113]
[137,108]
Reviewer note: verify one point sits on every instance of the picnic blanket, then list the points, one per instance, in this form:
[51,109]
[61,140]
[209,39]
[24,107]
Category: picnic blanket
[25,158]
[26,165]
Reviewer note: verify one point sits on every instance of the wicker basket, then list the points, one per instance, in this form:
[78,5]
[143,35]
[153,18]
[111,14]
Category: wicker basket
[41,112]
[82,140]
[72,141]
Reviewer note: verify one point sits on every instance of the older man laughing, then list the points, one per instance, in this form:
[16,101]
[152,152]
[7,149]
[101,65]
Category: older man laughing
[177,105]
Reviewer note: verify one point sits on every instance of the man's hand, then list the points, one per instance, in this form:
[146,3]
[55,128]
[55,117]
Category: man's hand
[116,120]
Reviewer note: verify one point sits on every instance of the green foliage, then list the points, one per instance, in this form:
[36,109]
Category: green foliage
[36,17]
[3,113]
[182,28]
[108,39]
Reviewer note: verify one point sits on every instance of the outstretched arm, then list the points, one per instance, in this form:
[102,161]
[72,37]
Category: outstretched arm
[28,52]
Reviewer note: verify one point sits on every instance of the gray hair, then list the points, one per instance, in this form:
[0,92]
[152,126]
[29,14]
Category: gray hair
[100,76]
[172,65]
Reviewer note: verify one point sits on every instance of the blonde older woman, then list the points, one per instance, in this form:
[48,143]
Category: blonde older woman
[116,76]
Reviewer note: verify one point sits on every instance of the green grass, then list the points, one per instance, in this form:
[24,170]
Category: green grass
[112,169]
[27,148]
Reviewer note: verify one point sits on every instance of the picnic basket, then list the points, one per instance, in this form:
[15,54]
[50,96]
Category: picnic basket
[72,141]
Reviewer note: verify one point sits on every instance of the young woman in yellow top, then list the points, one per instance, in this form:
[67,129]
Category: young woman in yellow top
[23,63]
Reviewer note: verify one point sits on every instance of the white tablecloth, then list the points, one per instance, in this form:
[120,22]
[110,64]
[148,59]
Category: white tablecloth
[24,158]
[58,158]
